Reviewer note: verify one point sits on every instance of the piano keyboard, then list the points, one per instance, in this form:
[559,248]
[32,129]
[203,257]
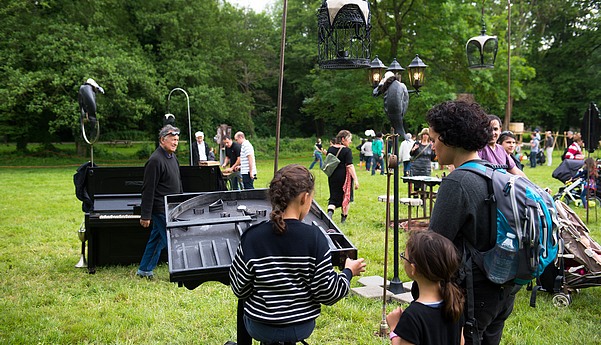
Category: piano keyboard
[119,216]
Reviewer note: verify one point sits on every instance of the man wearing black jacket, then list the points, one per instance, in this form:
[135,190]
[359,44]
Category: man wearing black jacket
[200,149]
[161,177]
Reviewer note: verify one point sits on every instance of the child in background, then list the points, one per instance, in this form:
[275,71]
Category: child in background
[589,175]
[283,267]
[435,317]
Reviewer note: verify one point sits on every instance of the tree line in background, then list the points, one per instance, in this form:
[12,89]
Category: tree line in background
[227,59]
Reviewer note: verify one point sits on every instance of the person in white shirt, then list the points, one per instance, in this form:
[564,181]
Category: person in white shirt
[405,153]
[200,150]
[368,154]
[248,168]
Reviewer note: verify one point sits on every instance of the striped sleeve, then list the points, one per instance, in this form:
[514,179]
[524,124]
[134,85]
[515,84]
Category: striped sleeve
[241,277]
[328,287]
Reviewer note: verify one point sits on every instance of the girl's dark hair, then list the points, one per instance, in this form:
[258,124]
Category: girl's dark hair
[436,258]
[287,183]
[460,124]
[504,135]
[492,117]
[591,167]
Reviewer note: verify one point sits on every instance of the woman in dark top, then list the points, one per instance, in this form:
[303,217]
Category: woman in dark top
[421,157]
[344,176]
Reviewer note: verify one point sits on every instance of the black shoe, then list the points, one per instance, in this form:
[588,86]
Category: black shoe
[343,218]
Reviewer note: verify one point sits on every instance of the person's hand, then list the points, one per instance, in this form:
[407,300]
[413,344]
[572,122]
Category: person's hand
[145,223]
[392,319]
[356,266]
[356,184]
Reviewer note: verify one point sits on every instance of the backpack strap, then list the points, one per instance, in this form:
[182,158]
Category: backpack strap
[471,324]
[484,171]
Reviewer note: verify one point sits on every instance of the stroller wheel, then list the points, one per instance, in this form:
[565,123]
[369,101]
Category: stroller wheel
[562,300]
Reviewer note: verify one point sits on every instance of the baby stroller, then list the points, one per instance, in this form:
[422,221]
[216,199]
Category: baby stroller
[578,263]
[572,189]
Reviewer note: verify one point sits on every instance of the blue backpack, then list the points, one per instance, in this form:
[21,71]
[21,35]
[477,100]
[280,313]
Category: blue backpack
[519,207]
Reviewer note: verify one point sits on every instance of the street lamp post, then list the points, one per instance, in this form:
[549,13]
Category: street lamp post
[189,123]
[398,101]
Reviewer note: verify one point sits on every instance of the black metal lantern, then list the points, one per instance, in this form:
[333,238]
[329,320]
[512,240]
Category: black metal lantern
[396,68]
[417,76]
[482,50]
[344,34]
[376,71]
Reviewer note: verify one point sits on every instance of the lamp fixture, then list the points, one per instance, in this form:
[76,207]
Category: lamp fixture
[396,68]
[482,50]
[376,71]
[417,76]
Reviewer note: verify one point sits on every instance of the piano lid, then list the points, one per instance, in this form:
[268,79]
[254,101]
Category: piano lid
[116,203]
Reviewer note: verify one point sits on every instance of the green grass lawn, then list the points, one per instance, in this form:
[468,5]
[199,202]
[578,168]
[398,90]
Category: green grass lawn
[45,300]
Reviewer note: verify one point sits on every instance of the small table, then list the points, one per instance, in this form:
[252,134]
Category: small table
[426,196]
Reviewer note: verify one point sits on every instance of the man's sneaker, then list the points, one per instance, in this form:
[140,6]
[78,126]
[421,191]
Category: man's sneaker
[145,274]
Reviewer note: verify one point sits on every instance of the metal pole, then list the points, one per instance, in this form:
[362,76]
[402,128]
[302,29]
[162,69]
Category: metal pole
[189,123]
[508,108]
[280,86]
[396,286]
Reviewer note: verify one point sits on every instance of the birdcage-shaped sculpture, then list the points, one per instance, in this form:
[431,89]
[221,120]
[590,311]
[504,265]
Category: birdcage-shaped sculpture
[344,34]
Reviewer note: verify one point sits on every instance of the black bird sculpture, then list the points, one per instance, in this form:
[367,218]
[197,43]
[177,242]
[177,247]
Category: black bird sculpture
[87,100]
[396,101]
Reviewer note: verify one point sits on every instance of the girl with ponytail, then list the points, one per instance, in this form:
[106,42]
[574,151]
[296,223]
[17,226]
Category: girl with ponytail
[435,317]
[283,267]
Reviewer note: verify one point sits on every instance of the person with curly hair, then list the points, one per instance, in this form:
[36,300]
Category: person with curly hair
[462,213]
[283,268]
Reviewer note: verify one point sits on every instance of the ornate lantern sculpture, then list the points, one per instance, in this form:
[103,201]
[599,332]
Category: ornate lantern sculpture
[482,50]
[417,74]
[376,71]
[344,34]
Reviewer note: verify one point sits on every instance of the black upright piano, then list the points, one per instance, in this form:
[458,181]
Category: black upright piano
[113,230]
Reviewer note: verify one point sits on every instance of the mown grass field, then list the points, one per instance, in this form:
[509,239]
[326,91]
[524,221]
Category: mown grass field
[45,300]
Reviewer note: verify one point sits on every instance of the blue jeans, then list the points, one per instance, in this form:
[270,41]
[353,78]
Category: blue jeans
[318,158]
[247,181]
[533,159]
[406,168]
[368,162]
[156,243]
[271,334]
[377,159]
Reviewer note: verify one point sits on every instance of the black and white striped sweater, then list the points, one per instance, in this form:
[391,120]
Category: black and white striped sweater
[285,278]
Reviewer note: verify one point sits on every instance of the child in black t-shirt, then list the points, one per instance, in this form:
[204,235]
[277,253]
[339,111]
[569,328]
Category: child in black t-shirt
[434,318]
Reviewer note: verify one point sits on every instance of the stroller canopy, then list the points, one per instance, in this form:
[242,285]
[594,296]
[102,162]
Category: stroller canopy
[567,169]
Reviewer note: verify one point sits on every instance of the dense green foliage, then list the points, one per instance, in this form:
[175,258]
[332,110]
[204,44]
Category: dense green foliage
[226,58]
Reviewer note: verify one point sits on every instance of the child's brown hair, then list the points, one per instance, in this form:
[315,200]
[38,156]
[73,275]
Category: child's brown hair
[287,184]
[436,258]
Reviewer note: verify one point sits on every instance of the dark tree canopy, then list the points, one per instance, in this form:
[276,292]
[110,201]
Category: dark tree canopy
[226,58]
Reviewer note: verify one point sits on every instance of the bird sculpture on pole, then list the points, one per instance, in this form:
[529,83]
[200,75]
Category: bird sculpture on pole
[87,100]
[396,100]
